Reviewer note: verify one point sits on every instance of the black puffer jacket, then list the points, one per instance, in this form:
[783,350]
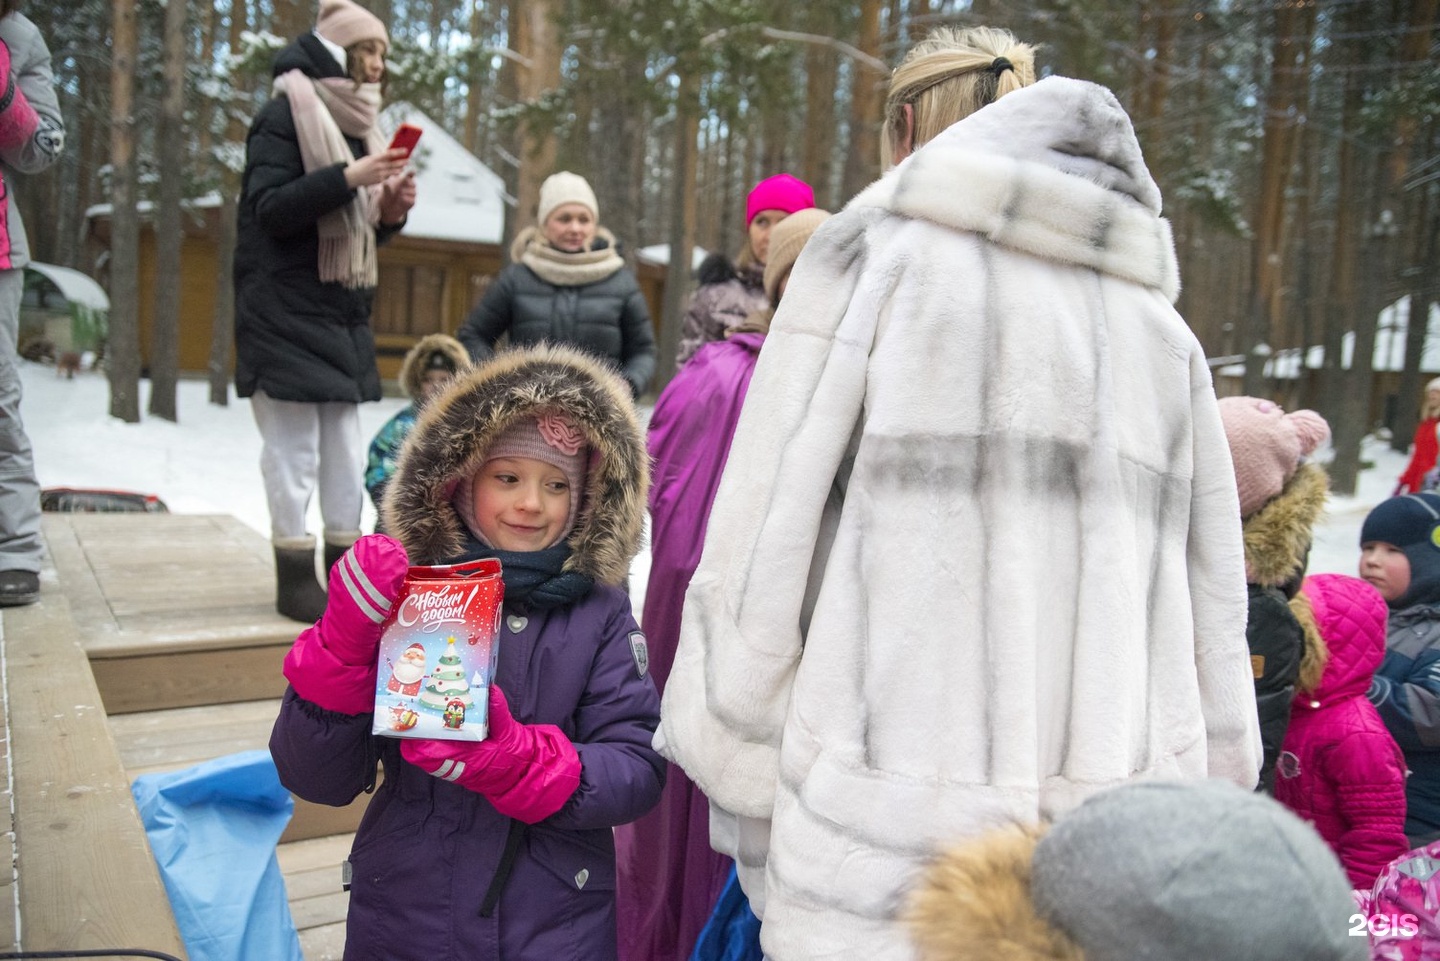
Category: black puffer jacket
[607,319]
[296,338]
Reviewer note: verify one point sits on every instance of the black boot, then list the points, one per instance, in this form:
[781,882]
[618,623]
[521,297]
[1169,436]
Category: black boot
[298,595]
[336,544]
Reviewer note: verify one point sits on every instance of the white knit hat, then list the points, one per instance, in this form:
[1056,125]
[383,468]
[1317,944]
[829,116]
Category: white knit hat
[565,188]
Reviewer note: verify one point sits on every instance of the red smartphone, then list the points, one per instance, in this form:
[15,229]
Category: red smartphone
[406,136]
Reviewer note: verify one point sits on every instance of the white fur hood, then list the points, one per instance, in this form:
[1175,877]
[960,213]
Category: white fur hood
[1053,170]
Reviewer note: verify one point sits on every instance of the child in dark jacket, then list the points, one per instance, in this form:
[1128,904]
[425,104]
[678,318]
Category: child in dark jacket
[1281,495]
[1339,767]
[1400,556]
[506,852]
[426,370]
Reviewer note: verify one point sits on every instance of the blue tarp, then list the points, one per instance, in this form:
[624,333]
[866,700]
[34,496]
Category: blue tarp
[213,829]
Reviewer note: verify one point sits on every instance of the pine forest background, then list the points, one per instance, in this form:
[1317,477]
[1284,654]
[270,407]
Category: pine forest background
[1295,142]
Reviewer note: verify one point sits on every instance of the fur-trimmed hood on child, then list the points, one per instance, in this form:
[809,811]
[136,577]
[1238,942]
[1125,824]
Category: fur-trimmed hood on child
[417,361]
[457,428]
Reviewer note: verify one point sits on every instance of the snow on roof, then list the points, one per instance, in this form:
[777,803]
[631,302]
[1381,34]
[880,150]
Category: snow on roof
[660,254]
[456,196]
[76,287]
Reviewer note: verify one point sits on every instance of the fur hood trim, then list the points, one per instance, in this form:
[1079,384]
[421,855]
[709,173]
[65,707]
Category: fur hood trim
[412,369]
[1278,535]
[974,902]
[1314,653]
[716,268]
[452,434]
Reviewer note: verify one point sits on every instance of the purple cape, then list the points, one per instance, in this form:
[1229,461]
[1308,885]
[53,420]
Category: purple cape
[668,877]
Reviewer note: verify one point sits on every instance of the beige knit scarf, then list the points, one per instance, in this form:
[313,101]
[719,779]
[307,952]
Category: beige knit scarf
[326,111]
[566,269]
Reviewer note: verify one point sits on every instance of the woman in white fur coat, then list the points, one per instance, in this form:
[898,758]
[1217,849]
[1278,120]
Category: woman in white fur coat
[977,552]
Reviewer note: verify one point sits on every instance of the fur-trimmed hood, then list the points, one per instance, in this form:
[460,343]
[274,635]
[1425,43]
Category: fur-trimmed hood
[450,439]
[974,902]
[1278,536]
[413,367]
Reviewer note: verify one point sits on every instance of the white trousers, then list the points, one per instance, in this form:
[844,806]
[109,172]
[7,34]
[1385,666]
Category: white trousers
[304,445]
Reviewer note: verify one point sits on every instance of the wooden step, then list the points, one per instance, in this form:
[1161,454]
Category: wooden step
[180,737]
[317,902]
[176,617]
[84,877]
[175,609]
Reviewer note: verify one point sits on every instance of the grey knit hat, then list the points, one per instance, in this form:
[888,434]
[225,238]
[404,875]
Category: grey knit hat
[1193,871]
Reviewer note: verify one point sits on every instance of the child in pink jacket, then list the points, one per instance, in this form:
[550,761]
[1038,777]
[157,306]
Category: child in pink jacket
[1339,768]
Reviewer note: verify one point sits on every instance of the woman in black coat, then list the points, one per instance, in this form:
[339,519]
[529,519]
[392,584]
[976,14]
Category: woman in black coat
[320,191]
[567,285]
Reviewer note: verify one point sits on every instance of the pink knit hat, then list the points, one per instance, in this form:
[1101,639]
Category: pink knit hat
[551,437]
[1267,446]
[780,192]
[346,24]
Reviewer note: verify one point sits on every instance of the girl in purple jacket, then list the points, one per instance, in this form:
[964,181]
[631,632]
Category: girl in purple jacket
[500,849]
[1339,768]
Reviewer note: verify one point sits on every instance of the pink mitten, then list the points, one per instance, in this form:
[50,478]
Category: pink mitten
[18,120]
[527,771]
[332,664]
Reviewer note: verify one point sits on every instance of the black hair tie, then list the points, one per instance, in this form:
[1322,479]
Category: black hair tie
[999,65]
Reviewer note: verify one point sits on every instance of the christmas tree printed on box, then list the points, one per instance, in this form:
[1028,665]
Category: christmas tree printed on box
[447,682]
[438,652]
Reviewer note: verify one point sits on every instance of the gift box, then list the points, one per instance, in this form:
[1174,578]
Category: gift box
[438,650]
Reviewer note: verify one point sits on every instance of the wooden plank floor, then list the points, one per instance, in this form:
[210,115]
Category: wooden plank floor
[176,614]
[156,741]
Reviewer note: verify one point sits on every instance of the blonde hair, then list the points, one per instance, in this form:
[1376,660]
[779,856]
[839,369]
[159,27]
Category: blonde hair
[948,76]
[1429,407]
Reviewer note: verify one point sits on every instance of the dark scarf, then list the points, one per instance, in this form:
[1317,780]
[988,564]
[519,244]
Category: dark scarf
[534,580]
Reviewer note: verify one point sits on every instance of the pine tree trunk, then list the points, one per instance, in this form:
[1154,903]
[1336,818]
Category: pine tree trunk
[1415,212]
[818,144]
[537,38]
[862,163]
[222,318]
[123,345]
[475,90]
[1283,103]
[169,234]
[292,18]
[682,225]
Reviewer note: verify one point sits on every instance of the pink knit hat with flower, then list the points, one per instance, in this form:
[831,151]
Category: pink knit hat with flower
[551,437]
[1267,446]
[780,192]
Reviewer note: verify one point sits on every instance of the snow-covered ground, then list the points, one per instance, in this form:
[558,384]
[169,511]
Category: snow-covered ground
[209,461]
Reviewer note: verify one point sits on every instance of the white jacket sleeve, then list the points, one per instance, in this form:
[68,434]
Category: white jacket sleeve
[1216,566]
[740,639]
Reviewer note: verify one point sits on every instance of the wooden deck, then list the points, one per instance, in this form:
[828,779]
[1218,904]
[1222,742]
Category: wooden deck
[154,646]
